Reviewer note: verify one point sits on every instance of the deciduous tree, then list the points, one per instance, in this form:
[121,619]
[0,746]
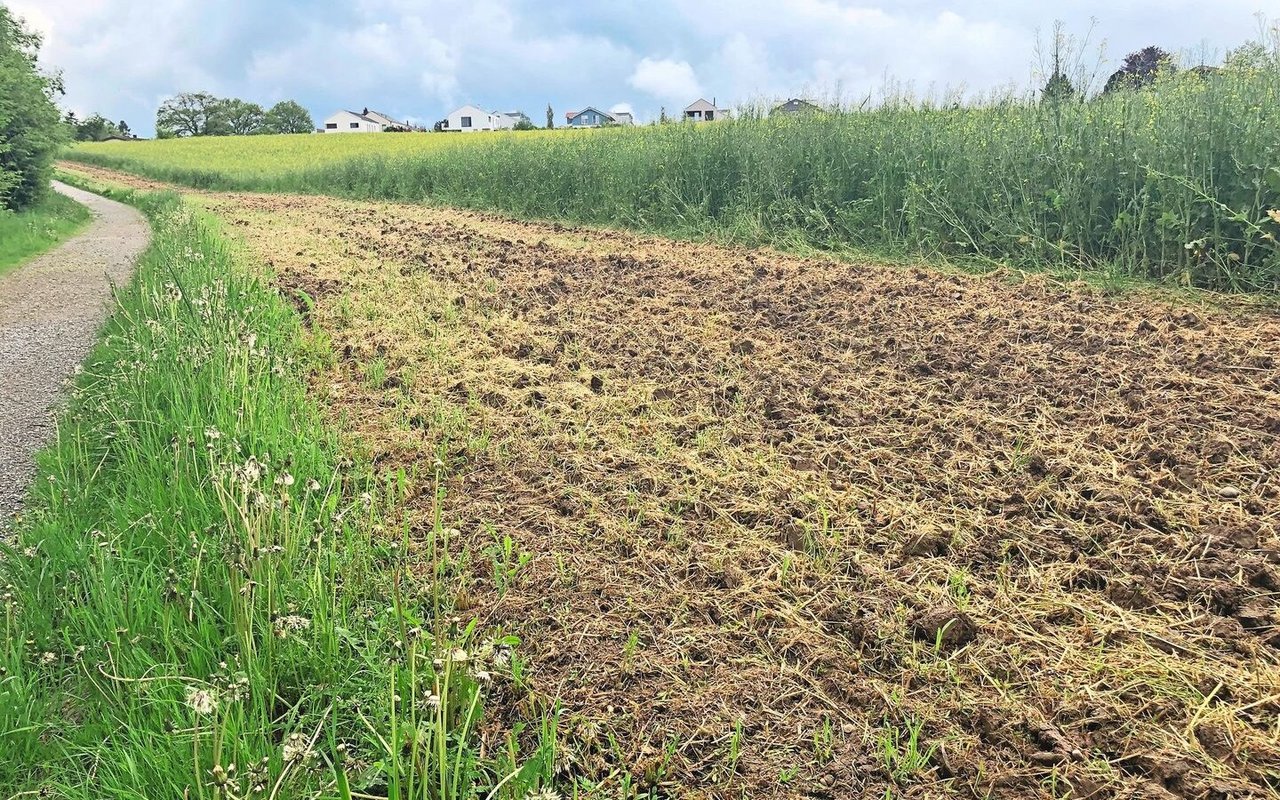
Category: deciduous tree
[288,116]
[1140,69]
[241,117]
[190,114]
[93,129]
[30,132]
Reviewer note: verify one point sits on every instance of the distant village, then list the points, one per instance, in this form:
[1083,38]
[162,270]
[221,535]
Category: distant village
[473,118]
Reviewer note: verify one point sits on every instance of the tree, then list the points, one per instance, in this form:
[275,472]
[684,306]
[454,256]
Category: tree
[241,118]
[551,117]
[190,114]
[288,116]
[662,116]
[124,128]
[1255,56]
[1140,69]
[524,125]
[1058,88]
[95,129]
[30,129]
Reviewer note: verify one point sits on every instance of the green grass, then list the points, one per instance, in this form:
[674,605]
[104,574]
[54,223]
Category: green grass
[1173,183]
[29,233]
[207,599]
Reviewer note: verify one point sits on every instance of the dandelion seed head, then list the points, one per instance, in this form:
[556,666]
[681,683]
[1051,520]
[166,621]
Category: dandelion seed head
[295,748]
[202,701]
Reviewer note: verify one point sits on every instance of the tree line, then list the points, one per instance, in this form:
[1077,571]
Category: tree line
[95,128]
[1142,68]
[203,114]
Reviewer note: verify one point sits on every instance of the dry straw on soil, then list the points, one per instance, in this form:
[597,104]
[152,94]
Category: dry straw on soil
[781,512]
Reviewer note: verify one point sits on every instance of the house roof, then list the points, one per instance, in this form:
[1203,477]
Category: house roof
[354,114]
[571,114]
[796,104]
[700,104]
[373,117]
[379,117]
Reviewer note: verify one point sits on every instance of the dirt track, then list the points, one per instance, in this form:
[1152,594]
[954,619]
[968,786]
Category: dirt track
[823,503]
[50,310]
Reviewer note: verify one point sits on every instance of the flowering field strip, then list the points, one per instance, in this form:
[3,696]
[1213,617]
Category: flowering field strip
[231,161]
[206,599]
[1173,183]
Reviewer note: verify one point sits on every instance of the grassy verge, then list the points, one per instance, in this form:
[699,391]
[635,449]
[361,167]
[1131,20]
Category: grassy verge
[36,230]
[206,599]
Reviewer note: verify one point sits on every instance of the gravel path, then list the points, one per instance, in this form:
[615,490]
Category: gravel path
[50,312]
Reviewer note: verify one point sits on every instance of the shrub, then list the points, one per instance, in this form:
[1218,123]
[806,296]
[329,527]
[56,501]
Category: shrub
[30,133]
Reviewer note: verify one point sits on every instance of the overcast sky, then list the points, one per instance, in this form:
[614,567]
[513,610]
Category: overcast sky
[417,59]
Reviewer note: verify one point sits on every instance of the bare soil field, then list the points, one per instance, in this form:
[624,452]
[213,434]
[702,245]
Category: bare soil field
[770,526]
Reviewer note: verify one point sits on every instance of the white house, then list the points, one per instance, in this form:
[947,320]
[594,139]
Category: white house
[470,119]
[702,111]
[361,122]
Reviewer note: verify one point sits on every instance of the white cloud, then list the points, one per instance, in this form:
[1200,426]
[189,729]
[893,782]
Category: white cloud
[666,79]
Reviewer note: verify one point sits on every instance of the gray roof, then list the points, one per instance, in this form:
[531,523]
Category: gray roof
[591,108]
[368,118]
[795,105]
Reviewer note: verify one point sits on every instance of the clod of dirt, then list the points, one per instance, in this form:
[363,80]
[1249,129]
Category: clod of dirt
[1129,595]
[1154,791]
[743,348]
[663,394]
[948,628]
[597,384]
[1228,492]
[1087,787]
[1255,615]
[732,576]
[1215,739]
[927,543]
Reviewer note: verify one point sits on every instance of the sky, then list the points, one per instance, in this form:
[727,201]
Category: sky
[418,59]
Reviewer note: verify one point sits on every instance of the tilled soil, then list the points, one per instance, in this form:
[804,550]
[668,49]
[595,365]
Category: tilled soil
[781,512]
